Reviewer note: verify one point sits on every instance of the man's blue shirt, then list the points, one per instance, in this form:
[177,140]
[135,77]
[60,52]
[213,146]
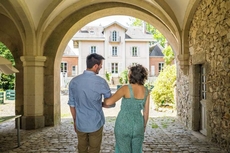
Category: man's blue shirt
[85,94]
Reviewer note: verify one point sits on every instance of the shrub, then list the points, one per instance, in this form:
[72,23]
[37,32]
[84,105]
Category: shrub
[123,79]
[163,91]
[108,76]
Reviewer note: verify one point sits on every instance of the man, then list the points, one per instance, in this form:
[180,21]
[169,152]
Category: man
[85,101]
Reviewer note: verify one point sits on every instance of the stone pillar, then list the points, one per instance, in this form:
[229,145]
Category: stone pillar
[184,63]
[33,81]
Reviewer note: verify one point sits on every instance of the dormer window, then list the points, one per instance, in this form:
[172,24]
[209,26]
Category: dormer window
[114,36]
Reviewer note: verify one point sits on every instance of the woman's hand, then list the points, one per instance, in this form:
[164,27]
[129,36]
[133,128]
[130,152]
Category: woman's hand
[107,106]
[104,105]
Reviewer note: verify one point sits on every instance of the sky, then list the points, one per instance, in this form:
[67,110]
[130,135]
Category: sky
[124,20]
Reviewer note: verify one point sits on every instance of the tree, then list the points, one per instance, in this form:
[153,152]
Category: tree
[149,28]
[5,52]
[123,79]
[163,91]
[7,81]
[168,55]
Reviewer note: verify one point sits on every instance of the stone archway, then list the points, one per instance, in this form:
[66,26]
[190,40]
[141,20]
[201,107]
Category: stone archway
[63,32]
[42,43]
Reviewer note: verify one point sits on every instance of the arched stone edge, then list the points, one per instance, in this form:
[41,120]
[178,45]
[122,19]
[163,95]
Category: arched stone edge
[58,39]
[184,55]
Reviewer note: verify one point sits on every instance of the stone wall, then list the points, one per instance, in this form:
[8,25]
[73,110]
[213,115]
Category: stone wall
[182,88]
[209,36]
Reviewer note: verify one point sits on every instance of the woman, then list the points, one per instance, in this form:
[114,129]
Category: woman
[130,123]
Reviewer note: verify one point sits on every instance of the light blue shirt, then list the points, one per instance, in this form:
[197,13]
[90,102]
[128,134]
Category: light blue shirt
[85,94]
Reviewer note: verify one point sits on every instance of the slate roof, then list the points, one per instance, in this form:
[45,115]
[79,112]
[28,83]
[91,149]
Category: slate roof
[156,50]
[89,33]
[96,32]
[137,33]
[115,22]
[69,52]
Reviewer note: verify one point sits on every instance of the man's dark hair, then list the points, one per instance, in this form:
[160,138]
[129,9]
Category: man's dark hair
[138,74]
[93,59]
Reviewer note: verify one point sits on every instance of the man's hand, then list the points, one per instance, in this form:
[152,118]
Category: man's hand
[75,128]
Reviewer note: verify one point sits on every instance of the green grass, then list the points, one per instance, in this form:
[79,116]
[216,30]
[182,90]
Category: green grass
[66,115]
[154,126]
[110,119]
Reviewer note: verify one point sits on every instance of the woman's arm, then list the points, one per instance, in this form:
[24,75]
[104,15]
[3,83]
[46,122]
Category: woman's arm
[146,111]
[116,96]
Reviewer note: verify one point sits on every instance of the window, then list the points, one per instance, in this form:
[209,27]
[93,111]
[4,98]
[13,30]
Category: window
[93,49]
[63,66]
[161,66]
[133,64]
[74,70]
[203,83]
[114,68]
[114,36]
[134,51]
[114,51]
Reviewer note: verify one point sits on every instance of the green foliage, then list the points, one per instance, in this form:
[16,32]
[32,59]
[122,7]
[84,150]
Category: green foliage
[163,91]
[135,22]
[149,85]
[123,78]
[168,55]
[5,52]
[156,34]
[108,76]
[154,126]
[6,81]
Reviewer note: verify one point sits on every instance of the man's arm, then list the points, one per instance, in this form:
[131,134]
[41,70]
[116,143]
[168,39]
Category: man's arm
[73,113]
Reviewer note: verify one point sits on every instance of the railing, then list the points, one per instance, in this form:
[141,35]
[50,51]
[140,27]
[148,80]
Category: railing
[112,40]
[10,94]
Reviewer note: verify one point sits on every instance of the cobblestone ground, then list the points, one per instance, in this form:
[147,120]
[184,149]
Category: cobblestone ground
[164,134]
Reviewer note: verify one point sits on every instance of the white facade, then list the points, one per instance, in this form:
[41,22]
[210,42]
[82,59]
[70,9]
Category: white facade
[120,46]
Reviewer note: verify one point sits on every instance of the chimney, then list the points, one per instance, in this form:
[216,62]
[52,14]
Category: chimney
[144,26]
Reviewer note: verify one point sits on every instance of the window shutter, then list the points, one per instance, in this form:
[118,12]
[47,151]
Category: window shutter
[138,51]
[152,70]
[119,67]
[89,49]
[110,50]
[118,50]
[131,51]
[111,36]
[109,67]
[118,37]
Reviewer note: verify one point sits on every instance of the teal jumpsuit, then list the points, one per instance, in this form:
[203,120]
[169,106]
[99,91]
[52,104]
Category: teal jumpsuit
[129,125]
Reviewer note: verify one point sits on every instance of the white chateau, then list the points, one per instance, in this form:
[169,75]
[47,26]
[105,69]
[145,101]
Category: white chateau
[121,46]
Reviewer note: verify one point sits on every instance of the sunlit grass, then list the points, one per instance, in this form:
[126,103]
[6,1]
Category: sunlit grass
[154,126]
[66,115]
